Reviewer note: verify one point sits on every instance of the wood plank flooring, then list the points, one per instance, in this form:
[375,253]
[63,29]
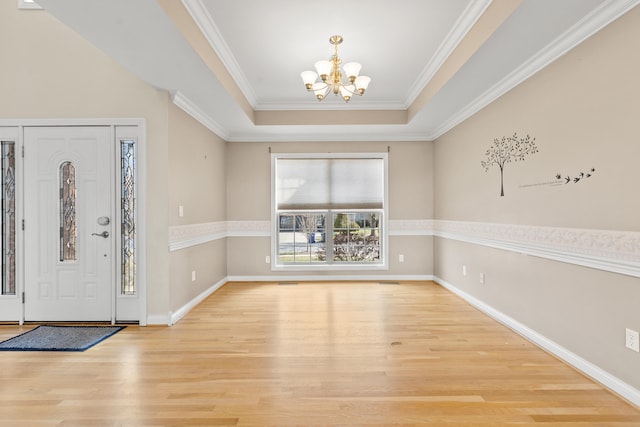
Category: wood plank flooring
[313,354]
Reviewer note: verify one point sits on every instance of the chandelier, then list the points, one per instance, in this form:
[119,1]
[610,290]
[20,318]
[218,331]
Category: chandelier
[331,77]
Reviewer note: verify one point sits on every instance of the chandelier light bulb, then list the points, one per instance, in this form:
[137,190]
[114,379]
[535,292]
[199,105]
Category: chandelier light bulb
[321,90]
[352,69]
[347,91]
[330,76]
[324,69]
[362,83]
[309,77]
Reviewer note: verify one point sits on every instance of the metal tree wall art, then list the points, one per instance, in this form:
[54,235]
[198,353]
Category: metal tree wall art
[506,150]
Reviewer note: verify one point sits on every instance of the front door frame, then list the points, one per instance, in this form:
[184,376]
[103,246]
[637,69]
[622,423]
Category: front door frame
[129,128]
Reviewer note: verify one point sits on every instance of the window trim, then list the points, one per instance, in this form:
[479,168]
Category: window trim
[28,4]
[384,242]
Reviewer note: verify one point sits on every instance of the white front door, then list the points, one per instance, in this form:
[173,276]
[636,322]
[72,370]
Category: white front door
[69,260]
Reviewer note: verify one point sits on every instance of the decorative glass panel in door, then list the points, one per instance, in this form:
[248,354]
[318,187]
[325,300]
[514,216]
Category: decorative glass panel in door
[68,230]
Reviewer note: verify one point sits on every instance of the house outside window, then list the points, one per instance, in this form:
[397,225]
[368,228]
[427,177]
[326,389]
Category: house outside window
[329,211]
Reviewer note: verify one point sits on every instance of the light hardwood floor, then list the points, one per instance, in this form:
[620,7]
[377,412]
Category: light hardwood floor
[313,354]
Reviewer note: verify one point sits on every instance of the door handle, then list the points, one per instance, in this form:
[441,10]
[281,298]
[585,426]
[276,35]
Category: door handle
[104,234]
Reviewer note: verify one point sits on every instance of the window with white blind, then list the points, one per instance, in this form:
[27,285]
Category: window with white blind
[329,210]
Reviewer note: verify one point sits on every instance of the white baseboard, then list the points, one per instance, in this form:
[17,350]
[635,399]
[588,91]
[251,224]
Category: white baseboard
[325,277]
[159,319]
[598,374]
[172,318]
[182,311]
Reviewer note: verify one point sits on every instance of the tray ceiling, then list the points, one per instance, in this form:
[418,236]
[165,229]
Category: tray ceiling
[235,65]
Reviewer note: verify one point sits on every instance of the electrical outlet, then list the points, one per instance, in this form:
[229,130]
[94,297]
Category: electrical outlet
[632,340]
[482,278]
[401,258]
[267,259]
[193,276]
[464,270]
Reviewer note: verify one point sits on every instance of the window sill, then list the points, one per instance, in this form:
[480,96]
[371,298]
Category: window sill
[332,267]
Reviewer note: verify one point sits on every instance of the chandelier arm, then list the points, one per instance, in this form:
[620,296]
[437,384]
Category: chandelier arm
[346,87]
[323,87]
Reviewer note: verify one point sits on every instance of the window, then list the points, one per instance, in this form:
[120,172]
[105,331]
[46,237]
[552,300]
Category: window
[68,226]
[128,216]
[8,182]
[329,210]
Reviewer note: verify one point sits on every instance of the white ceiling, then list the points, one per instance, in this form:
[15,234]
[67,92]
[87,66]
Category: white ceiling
[264,45]
[393,40]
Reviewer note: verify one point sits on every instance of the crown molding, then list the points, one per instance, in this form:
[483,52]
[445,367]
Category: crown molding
[598,18]
[205,22]
[332,137]
[314,105]
[463,24]
[189,107]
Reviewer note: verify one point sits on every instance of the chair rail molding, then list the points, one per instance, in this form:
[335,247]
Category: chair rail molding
[611,250]
[411,227]
[185,236]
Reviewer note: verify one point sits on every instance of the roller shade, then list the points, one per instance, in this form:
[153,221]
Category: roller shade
[335,183]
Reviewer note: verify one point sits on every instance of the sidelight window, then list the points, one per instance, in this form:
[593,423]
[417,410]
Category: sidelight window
[8,183]
[128,216]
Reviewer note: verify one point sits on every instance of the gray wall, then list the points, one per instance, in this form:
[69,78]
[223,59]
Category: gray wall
[410,198]
[197,183]
[583,111]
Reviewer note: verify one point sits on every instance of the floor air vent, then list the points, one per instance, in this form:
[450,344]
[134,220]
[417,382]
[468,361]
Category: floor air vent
[389,283]
[287,283]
